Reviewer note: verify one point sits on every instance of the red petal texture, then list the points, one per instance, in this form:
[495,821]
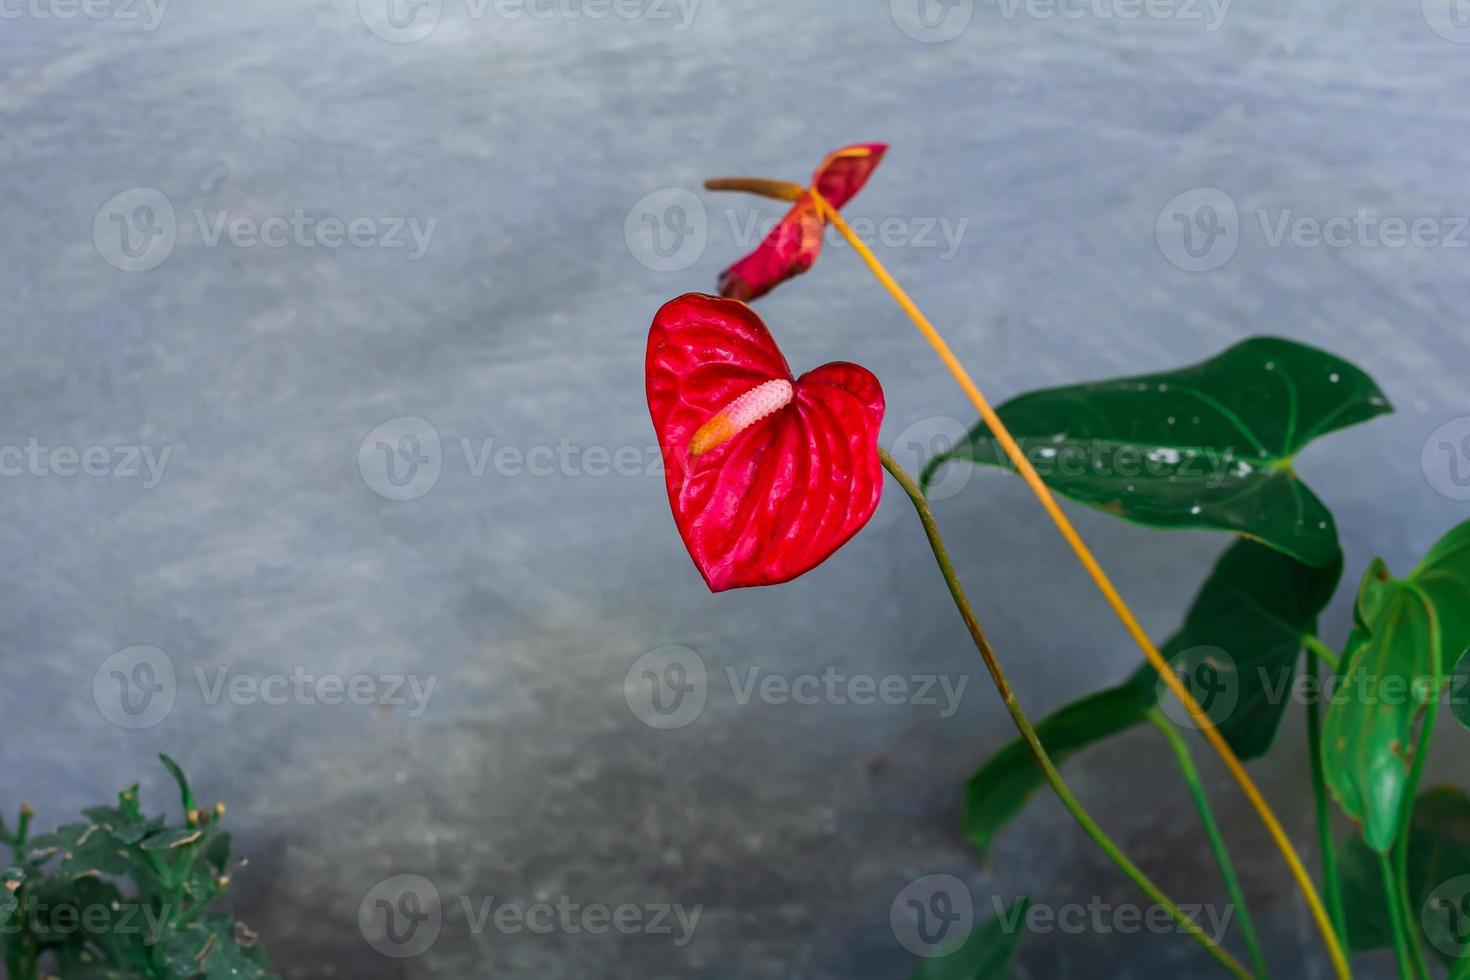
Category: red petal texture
[845,171]
[788,251]
[794,244]
[781,496]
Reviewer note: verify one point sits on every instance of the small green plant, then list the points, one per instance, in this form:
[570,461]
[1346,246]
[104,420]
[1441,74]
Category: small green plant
[122,895]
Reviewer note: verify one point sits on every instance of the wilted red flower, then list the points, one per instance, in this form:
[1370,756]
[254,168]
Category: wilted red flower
[794,244]
[767,474]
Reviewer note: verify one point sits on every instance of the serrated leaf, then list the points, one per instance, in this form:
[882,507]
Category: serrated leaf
[985,954]
[1367,735]
[1257,606]
[1000,789]
[1439,853]
[1207,447]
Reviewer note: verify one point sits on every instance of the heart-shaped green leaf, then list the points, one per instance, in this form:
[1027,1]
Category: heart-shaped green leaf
[1208,446]
[1256,608]
[998,792]
[985,954]
[1367,736]
[1444,575]
[1439,853]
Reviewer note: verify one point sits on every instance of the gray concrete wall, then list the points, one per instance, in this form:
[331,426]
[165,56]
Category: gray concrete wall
[263,545]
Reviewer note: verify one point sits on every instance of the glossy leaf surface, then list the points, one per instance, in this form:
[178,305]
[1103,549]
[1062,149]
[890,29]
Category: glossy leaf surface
[1256,607]
[1444,575]
[1367,735]
[1208,446]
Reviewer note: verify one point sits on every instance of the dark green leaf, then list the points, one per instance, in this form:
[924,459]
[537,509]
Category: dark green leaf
[73,901]
[1371,592]
[1444,575]
[1208,446]
[122,824]
[69,911]
[183,951]
[231,961]
[211,949]
[985,954]
[1439,853]
[172,839]
[84,849]
[1460,689]
[1256,607]
[1367,736]
[1000,789]
[214,855]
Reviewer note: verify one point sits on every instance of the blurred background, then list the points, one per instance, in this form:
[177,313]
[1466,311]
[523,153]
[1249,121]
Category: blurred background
[322,361]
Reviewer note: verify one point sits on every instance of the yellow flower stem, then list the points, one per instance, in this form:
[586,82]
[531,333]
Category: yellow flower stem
[1084,554]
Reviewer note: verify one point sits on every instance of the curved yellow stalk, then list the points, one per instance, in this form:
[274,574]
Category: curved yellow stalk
[1084,554]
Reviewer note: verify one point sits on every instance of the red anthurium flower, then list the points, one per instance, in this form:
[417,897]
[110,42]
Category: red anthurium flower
[768,474]
[794,244]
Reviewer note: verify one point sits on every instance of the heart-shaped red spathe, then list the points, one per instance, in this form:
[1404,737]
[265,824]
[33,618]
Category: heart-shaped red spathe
[786,491]
[796,241]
